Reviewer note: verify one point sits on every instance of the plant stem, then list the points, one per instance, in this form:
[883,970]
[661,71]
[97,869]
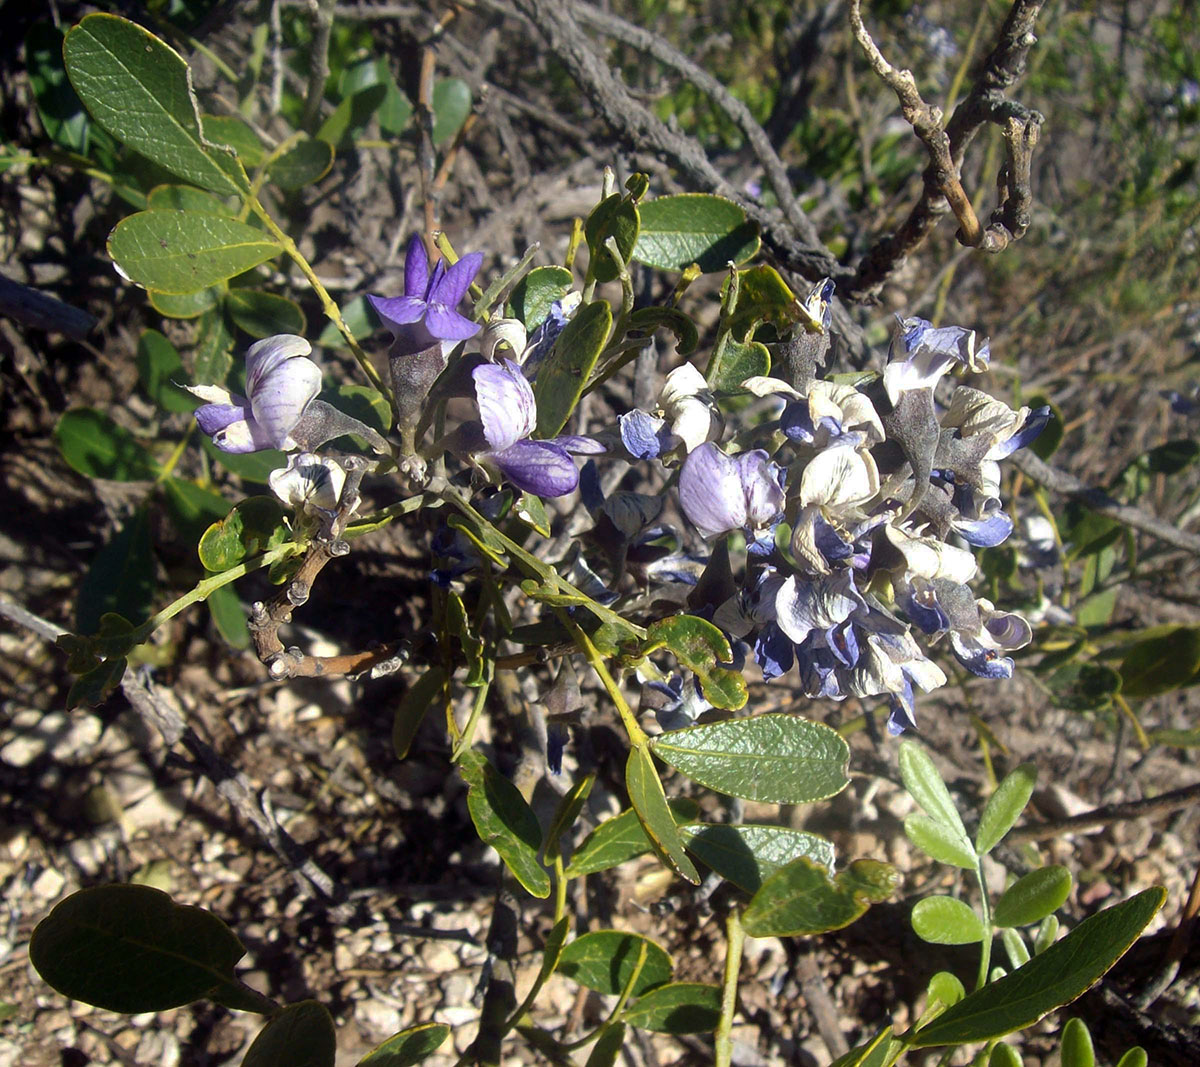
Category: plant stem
[985,955]
[735,937]
[637,736]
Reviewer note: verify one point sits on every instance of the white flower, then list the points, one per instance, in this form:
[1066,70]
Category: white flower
[309,483]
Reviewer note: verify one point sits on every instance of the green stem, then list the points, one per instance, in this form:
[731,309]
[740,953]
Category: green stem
[468,731]
[637,736]
[175,456]
[985,955]
[615,1014]
[735,938]
[332,312]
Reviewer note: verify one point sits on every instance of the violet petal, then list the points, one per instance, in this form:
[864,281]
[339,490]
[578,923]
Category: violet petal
[710,491]
[452,286]
[537,467]
[446,324]
[264,357]
[416,270]
[506,405]
[398,310]
[280,397]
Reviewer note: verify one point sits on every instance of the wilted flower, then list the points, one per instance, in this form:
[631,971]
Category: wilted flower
[719,493]
[689,417]
[508,414]
[427,312]
[280,383]
[309,483]
[921,354]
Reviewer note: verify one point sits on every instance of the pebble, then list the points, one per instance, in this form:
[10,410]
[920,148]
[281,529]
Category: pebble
[57,733]
[343,958]
[159,1047]
[48,885]
[10,1054]
[162,809]
[440,958]
[381,1019]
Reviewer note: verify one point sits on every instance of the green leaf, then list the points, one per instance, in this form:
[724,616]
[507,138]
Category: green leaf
[647,320]
[59,108]
[923,782]
[182,251]
[622,838]
[451,106]
[420,698]
[95,686]
[1056,977]
[306,162]
[395,111]
[1076,1046]
[227,614]
[747,855]
[1135,1057]
[802,899]
[505,821]
[946,921]
[1004,1056]
[678,1008]
[185,305]
[873,1053]
[564,818]
[939,841]
[532,512]
[252,466]
[562,377]
[120,579]
[263,314]
[254,526]
[701,647]
[1159,664]
[699,228]
[97,447]
[945,989]
[534,295]
[186,198]
[232,132]
[1004,807]
[357,315]
[735,361]
[212,359]
[1047,934]
[776,759]
[1084,686]
[1015,947]
[658,821]
[763,296]
[603,960]
[409,1047]
[1031,898]
[132,949]
[365,403]
[139,89]
[615,217]
[351,116]
[606,1050]
[302,1035]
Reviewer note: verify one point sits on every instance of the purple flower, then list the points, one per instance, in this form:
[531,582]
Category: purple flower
[426,313]
[280,383]
[721,493]
[508,414]
[921,353]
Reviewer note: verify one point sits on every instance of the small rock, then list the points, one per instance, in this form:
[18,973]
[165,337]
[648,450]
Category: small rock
[382,943]
[159,810]
[10,1054]
[58,733]
[159,1047]
[343,958]
[379,1018]
[48,885]
[440,958]
[457,990]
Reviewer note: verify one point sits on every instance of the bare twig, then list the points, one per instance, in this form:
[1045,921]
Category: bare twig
[231,784]
[37,309]
[1107,814]
[318,60]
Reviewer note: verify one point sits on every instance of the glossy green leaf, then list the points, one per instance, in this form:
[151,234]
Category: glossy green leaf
[232,132]
[735,361]
[97,447]
[568,811]
[409,1047]
[1004,1056]
[1135,1057]
[1004,807]
[254,526]
[395,110]
[229,617]
[59,108]
[534,295]
[873,1053]
[605,1051]
[565,372]
[252,466]
[186,198]
[139,89]
[678,1008]
[212,359]
[182,251]
[939,841]
[120,578]
[421,697]
[603,960]
[658,821]
[1047,934]
[747,855]
[350,117]
[193,509]
[801,898]
[302,1035]
[263,314]
[699,228]
[622,838]
[946,921]
[1167,660]
[945,989]
[1014,947]
[615,217]
[1031,898]
[1076,1045]
[305,162]
[926,787]
[132,949]
[1056,977]
[646,320]
[185,305]
[451,106]
[776,759]
[701,647]
[505,821]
